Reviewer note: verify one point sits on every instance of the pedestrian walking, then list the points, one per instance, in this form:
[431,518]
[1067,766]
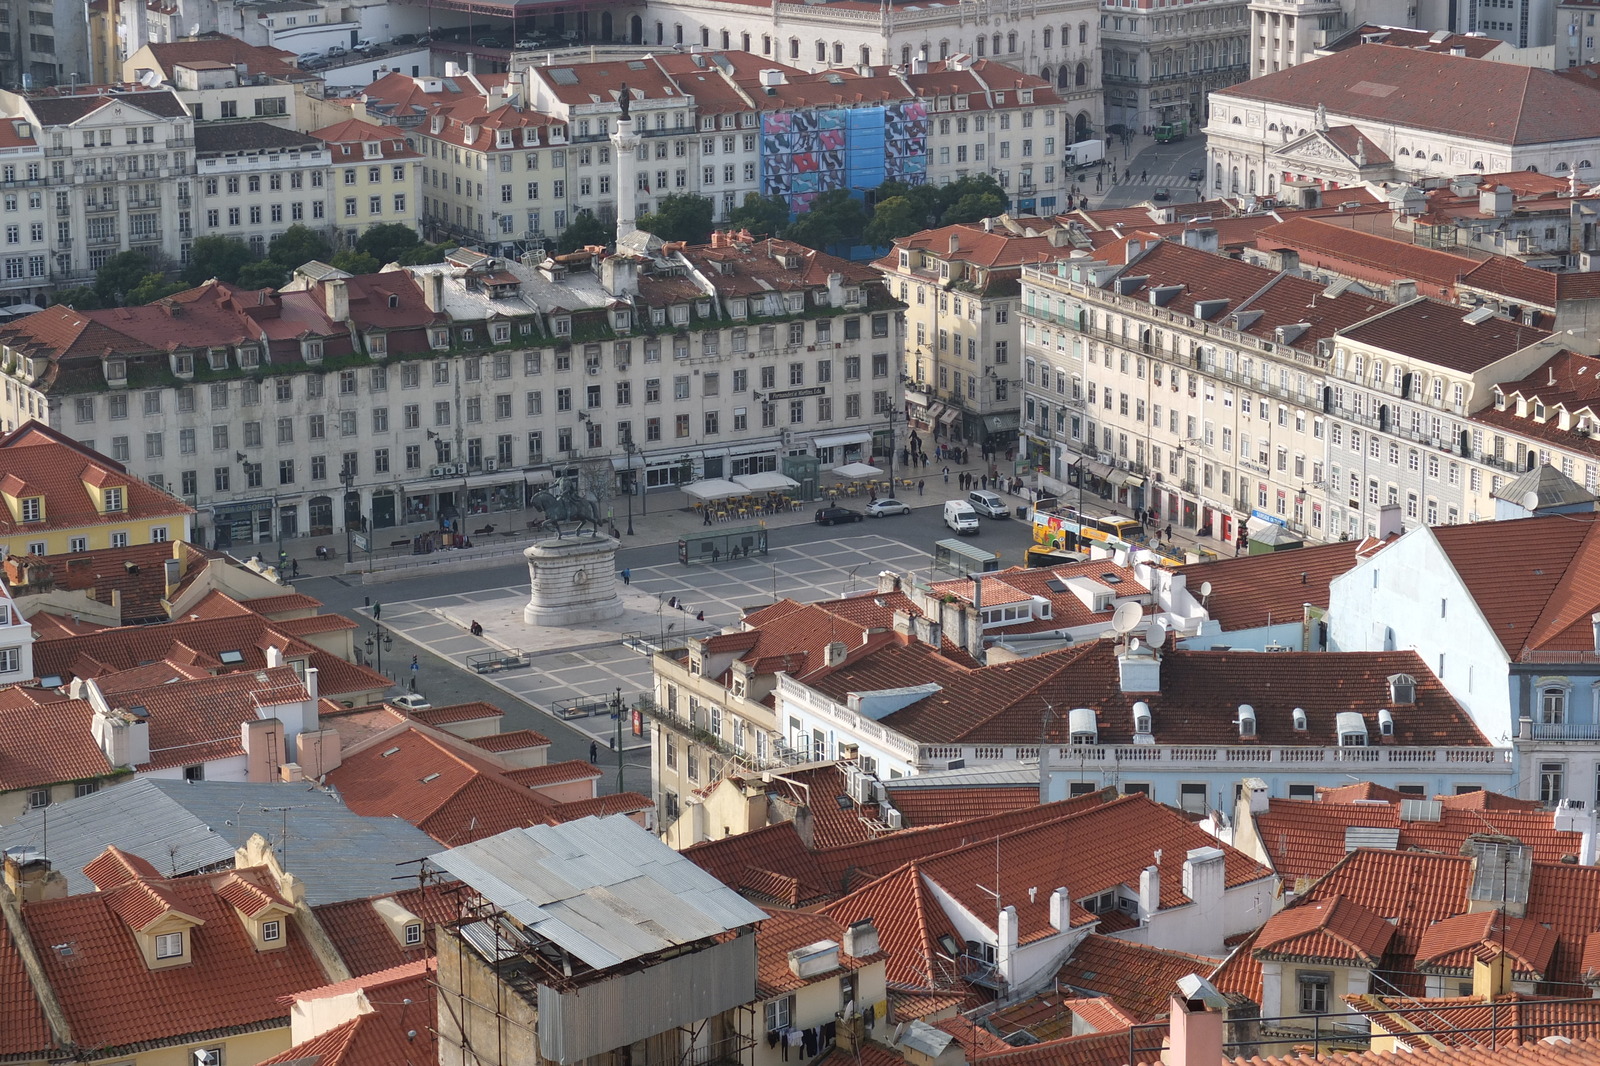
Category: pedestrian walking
[920,483]
[1144,175]
[594,753]
[1167,533]
[627,576]
[947,475]
[984,481]
[294,567]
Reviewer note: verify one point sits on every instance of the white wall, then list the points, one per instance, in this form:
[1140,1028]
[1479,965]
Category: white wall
[1411,590]
[229,769]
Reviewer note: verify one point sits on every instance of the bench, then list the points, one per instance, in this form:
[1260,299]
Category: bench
[401,543]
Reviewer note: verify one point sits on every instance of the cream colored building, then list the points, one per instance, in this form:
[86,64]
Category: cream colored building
[389,195]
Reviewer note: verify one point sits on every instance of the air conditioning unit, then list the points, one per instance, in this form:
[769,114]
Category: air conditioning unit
[893,818]
[594,370]
[438,471]
[491,465]
[459,469]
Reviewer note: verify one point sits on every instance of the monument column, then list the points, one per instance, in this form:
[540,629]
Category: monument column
[625,150]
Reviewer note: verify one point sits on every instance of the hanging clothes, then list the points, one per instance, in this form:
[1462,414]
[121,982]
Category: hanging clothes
[772,1034]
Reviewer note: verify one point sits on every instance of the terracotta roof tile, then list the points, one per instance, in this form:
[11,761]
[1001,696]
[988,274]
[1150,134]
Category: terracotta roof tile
[1451,945]
[556,773]
[1436,333]
[460,712]
[24,1030]
[909,922]
[936,806]
[1321,930]
[1565,1050]
[365,941]
[114,867]
[783,931]
[1503,1024]
[1093,1049]
[40,462]
[1136,977]
[1248,591]
[39,749]
[516,740]
[113,1000]
[397,1027]
[974,1040]
[1501,103]
[1370,257]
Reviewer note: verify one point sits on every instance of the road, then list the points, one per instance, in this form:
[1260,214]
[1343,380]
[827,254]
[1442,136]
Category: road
[1164,166]
[811,568]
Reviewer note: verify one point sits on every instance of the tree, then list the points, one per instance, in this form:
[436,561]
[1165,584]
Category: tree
[355,262]
[120,275]
[388,242]
[598,481]
[680,217]
[151,288]
[585,230]
[979,185]
[761,215]
[297,246]
[217,257]
[79,299]
[974,206]
[834,218]
[264,274]
[895,217]
[424,253]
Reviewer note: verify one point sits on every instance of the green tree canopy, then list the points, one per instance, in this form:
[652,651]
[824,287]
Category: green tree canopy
[297,246]
[388,242]
[974,206]
[217,257]
[355,262]
[152,287]
[263,274]
[119,276]
[763,216]
[834,218]
[81,299]
[585,230]
[680,217]
[897,216]
[423,253]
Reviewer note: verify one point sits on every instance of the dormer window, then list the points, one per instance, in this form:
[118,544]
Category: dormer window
[1538,410]
[374,150]
[1499,400]
[502,332]
[116,370]
[1352,729]
[169,946]
[217,358]
[311,351]
[1084,727]
[1402,688]
[33,509]
[272,931]
[441,339]
[561,325]
[249,358]
[113,500]
[413,934]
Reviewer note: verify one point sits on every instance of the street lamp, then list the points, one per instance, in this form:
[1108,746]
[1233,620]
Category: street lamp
[347,474]
[630,450]
[376,643]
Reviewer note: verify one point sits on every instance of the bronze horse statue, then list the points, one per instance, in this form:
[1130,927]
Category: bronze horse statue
[569,505]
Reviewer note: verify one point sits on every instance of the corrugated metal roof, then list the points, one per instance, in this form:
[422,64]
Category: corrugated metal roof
[601,889]
[181,828]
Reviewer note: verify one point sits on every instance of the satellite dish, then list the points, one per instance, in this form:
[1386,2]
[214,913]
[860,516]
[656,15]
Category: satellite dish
[1530,500]
[1133,643]
[1157,636]
[1126,617]
[1205,588]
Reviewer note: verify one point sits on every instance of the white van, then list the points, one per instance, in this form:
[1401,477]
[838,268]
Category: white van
[985,502]
[959,516]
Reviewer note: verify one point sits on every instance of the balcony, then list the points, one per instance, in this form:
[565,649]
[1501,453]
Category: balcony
[1530,730]
[1193,757]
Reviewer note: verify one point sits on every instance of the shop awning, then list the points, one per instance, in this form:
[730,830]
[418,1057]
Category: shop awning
[857,470]
[766,481]
[918,398]
[836,440]
[1117,478]
[1097,469]
[716,488]
[1134,482]
[935,410]
[949,415]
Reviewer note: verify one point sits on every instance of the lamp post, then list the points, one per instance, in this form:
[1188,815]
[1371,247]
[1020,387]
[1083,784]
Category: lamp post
[616,704]
[376,642]
[347,475]
[630,450]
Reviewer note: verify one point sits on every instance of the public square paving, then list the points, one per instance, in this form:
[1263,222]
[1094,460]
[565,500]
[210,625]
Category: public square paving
[595,660]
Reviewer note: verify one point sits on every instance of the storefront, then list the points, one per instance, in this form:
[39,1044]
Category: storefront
[470,497]
[842,449]
[241,522]
[948,424]
[1000,431]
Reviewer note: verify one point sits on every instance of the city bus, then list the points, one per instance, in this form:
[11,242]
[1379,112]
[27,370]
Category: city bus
[1040,557]
[1069,530]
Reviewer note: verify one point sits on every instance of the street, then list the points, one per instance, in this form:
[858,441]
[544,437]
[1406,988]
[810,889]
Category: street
[1165,166]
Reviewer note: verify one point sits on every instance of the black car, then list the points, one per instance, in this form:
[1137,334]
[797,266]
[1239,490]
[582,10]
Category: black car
[1161,196]
[1196,174]
[832,516]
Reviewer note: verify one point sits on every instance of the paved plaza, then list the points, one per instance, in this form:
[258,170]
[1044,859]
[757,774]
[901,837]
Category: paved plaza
[597,659]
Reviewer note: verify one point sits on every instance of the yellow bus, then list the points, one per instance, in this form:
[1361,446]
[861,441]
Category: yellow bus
[1067,529]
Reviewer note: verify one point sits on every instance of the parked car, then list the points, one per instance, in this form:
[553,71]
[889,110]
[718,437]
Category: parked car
[1161,196]
[336,51]
[404,38]
[832,516]
[1196,174]
[489,42]
[530,42]
[412,701]
[308,59]
[364,46]
[887,506]
[985,502]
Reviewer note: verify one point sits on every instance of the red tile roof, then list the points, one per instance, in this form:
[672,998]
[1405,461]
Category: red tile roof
[44,749]
[936,806]
[1437,333]
[40,461]
[398,1025]
[460,712]
[114,1001]
[1452,945]
[784,931]
[1564,383]
[556,773]
[198,721]
[974,1040]
[516,740]
[1562,1051]
[909,922]
[1501,103]
[1136,977]
[1335,930]
[1248,591]
[1369,257]
[1093,1049]
[365,941]
[1501,1024]
[1541,597]
[24,1030]
[1304,839]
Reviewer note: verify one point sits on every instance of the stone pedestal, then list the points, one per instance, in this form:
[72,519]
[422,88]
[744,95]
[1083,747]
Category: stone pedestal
[574,581]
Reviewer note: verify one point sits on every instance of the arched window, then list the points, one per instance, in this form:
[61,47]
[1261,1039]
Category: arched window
[1083,33]
[822,52]
[1582,165]
[1011,42]
[1048,34]
[944,49]
[1405,151]
[1533,168]
[866,56]
[996,43]
[838,54]
[983,46]
[1044,73]
[1478,165]
[1081,77]
[1561,167]
[1219,175]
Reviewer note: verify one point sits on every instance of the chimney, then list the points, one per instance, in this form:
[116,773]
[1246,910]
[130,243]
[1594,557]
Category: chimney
[336,300]
[1139,669]
[1255,790]
[274,656]
[955,243]
[124,737]
[1203,883]
[433,290]
[1196,1031]
[173,574]
[1060,910]
[861,939]
[1389,524]
[1005,954]
[836,289]
[928,630]
[902,623]
[1403,290]
[31,879]
[1491,973]
[834,653]
[1149,892]
[262,740]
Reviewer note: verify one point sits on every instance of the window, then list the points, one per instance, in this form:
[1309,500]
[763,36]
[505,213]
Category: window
[39,797]
[1552,782]
[1553,705]
[170,946]
[1313,991]
[271,931]
[1192,797]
